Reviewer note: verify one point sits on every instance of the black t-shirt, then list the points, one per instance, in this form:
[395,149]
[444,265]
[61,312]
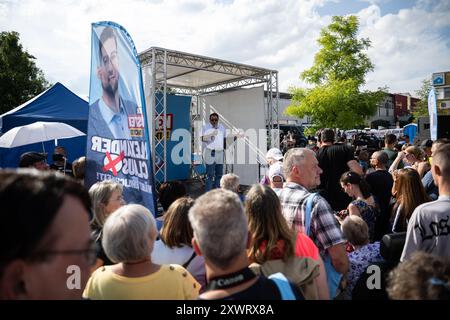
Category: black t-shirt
[333,161]
[97,236]
[263,289]
[380,182]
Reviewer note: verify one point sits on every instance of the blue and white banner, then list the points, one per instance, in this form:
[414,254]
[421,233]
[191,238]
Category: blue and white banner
[118,145]
[432,111]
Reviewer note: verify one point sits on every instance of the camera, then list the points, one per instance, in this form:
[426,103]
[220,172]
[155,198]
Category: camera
[58,157]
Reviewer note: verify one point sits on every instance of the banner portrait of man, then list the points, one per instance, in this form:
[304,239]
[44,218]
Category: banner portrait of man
[118,141]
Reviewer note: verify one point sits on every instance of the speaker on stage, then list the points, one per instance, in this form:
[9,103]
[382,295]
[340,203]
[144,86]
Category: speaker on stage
[443,127]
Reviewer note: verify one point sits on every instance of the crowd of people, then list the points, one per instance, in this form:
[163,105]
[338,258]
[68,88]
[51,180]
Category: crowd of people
[312,228]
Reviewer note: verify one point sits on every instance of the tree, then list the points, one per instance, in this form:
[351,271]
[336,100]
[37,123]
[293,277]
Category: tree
[338,103]
[20,78]
[421,109]
[338,72]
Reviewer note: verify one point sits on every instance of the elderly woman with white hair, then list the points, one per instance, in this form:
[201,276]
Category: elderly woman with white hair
[356,231]
[230,181]
[129,235]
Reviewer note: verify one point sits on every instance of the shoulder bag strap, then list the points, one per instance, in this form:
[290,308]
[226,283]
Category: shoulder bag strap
[283,286]
[308,209]
[186,264]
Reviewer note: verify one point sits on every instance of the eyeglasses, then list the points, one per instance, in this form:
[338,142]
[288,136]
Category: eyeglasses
[89,254]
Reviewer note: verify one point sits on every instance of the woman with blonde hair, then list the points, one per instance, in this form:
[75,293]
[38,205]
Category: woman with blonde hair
[412,157]
[272,239]
[175,244]
[409,193]
[79,169]
[106,198]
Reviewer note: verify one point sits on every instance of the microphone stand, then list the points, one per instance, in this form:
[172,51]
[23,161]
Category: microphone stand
[65,163]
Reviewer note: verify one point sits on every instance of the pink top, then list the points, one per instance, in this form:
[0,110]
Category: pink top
[305,247]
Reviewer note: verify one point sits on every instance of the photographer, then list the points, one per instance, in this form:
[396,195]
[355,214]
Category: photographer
[60,162]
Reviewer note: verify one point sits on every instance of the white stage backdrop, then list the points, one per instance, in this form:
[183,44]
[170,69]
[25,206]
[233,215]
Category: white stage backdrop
[242,109]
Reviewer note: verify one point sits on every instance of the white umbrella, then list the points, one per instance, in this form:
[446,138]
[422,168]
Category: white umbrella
[38,132]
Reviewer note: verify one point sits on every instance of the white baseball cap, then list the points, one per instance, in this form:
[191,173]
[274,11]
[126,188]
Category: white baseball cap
[274,153]
[276,170]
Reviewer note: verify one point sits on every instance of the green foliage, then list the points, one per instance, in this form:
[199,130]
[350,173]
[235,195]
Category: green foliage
[20,79]
[341,55]
[421,109]
[310,131]
[338,72]
[334,104]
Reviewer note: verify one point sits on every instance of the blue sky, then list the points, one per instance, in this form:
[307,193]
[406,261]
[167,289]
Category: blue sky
[410,39]
[349,7]
[344,7]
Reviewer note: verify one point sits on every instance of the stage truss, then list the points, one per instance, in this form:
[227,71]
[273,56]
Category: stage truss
[183,73]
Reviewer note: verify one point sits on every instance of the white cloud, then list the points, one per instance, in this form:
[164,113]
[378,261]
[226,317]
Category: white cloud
[273,34]
[406,47]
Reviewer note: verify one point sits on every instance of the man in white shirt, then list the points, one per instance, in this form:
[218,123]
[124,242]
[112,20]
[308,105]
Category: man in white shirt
[213,136]
[429,225]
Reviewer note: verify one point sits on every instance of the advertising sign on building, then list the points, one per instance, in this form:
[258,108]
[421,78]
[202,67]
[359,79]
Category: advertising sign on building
[438,79]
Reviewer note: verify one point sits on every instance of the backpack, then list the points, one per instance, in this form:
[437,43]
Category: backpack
[300,271]
[333,277]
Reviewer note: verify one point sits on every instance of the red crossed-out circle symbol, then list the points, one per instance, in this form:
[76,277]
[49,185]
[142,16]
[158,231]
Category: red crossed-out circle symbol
[112,164]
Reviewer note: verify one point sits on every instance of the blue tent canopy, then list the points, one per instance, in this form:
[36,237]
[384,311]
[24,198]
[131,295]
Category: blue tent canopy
[57,104]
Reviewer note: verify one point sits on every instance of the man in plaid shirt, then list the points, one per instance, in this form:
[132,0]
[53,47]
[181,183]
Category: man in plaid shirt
[302,173]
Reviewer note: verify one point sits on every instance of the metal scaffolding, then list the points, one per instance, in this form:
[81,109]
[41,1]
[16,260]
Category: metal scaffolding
[189,74]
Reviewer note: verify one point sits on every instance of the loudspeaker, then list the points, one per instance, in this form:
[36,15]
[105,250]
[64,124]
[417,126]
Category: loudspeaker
[443,127]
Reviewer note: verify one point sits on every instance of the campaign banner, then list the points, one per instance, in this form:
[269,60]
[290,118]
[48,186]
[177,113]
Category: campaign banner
[118,145]
[432,111]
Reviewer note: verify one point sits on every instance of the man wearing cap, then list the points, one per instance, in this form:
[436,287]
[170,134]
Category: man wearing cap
[273,156]
[35,160]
